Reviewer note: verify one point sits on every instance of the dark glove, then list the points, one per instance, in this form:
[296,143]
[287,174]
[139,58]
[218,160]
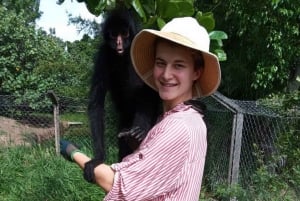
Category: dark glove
[196,105]
[88,171]
[67,149]
[137,133]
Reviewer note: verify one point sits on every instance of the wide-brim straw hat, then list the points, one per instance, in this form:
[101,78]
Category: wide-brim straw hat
[184,31]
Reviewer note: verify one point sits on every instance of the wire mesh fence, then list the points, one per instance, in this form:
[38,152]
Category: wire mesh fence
[21,124]
[219,129]
[241,134]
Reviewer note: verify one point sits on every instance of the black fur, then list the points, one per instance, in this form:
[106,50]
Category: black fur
[137,104]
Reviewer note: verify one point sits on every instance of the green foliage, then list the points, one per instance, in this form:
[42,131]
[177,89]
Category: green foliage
[33,63]
[263,46]
[284,182]
[225,192]
[22,49]
[264,186]
[13,28]
[276,179]
[19,54]
[30,7]
[286,104]
[288,144]
[155,13]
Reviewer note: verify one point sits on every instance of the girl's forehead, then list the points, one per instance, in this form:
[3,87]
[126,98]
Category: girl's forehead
[174,51]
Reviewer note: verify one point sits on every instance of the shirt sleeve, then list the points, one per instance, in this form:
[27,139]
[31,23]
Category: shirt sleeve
[155,169]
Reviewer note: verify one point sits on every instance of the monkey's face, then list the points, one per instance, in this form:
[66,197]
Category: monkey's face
[119,40]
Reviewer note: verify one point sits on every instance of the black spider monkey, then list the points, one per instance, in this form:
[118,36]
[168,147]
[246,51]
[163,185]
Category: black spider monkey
[137,105]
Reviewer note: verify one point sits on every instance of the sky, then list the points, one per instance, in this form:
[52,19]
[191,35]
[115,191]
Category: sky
[56,16]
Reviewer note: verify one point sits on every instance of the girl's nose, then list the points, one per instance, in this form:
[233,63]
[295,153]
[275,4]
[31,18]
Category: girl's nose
[167,73]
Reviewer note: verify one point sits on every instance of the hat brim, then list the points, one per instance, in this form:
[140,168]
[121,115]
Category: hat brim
[143,56]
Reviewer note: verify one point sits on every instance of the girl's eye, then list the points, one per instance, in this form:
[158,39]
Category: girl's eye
[159,64]
[179,66]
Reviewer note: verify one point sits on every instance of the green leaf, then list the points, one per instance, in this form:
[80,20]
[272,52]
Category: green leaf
[136,4]
[95,6]
[220,54]
[160,22]
[206,19]
[176,8]
[218,35]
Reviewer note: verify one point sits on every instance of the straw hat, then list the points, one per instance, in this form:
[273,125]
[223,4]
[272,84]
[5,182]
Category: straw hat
[187,32]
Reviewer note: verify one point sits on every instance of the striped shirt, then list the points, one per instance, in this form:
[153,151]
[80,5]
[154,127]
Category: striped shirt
[169,163]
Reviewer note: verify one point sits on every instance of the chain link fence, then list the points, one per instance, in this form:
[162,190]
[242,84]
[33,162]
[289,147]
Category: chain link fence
[22,123]
[240,133]
[241,136]
[76,127]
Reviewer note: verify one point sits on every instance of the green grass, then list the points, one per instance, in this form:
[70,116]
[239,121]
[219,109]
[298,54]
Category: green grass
[37,173]
[79,117]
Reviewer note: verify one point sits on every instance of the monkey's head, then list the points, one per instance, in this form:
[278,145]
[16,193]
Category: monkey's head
[118,31]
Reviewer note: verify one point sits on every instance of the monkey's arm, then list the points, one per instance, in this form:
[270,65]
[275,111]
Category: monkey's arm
[196,105]
[142,122]
[96,118]
[148,108]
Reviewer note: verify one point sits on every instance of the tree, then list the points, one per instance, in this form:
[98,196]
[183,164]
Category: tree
[16,53]
[20,51]
[30,7]
[32,62]
[67,64]
[263,47]
[155,13]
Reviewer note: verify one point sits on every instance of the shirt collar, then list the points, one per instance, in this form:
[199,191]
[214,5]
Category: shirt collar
[178,108]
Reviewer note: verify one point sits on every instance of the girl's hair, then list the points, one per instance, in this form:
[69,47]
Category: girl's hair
[198,59]
[197,55]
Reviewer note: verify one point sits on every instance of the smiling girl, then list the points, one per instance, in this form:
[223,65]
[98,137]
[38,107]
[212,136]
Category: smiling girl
[169,163]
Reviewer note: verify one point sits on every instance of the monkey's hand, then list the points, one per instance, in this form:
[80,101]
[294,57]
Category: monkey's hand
[88,171]
[196,105]
[137,133]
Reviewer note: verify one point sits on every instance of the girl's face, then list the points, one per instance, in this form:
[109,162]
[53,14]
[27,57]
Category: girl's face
[174,73]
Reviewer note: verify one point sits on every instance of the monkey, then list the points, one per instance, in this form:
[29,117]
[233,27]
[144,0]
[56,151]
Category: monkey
[137,105]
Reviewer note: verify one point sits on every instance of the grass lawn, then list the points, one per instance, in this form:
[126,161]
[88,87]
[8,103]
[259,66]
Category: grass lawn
[38,174]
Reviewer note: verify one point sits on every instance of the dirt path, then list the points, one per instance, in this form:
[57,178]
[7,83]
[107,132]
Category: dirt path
[13,132]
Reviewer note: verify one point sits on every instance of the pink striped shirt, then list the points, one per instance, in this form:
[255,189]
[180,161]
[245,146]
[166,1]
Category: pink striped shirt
[169,162]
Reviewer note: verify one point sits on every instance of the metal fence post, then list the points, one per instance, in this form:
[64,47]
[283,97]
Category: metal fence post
[235,150]
[236,137]
[55,102]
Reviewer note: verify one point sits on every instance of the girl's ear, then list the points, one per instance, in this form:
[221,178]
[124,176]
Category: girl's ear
[197,74]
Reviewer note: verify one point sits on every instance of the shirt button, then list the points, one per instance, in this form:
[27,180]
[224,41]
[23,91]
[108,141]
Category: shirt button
[140,156]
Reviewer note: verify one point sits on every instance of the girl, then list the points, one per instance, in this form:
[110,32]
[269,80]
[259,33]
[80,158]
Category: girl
[169,163]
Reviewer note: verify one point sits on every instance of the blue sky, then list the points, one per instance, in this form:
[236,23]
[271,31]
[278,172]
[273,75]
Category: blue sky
[56,16]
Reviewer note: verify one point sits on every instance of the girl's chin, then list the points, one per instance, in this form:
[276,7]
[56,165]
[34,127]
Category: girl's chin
[166,97]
